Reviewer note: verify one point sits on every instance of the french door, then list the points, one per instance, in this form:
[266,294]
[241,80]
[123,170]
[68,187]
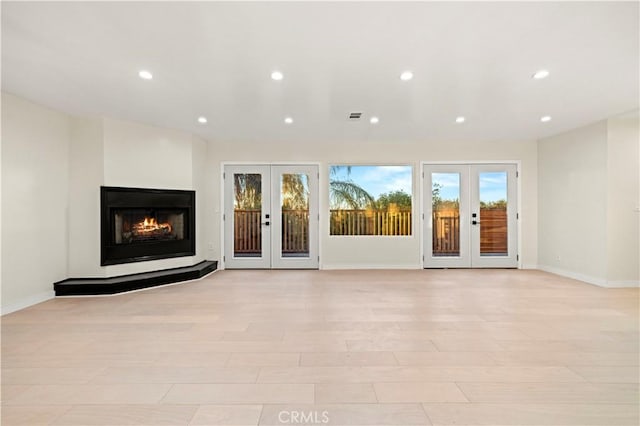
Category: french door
[470,216]
[271,216]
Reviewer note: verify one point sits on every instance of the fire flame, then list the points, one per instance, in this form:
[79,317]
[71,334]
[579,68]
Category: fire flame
[150,225]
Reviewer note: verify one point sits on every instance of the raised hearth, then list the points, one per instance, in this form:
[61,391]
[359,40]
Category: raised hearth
[113,285]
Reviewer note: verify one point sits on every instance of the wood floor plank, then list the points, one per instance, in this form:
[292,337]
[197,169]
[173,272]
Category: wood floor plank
[532,414]
[544,392]
[239,394]
[345,414]
[474,347]
[227,415]
[127,415]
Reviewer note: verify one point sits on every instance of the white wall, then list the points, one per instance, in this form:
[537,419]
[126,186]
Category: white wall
[52,168]
[199,184]
[588,189]
[137,155]
[120,153]
[572,170]
[35,174]
[86,174]
[389,252]
[623,199]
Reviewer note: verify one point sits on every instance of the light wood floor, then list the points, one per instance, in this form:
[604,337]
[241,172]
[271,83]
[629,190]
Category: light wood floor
[442,347]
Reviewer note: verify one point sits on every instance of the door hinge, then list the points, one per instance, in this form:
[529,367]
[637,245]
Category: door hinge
[224,217]
[224,175]
[224,258]
[517,257]
[423,257]
[422,175]
[422,216]
[318,258]
[318,175]
[517,174]
[318,217]
[517,215]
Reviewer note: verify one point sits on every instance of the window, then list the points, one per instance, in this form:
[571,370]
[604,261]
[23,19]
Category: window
[370,200]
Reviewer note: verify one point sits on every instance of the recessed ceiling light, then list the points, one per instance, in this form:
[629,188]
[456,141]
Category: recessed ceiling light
[406,76]
[288,120]
[539,75]
[145,75]
[374,120]
[545,118]
[277,75]
[460,119]
[202,120]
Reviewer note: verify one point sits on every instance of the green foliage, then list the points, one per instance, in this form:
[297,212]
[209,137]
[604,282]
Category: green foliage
[247,191]
[295,192]
[499,204]
[435,194]
[438,203]
[399,198]
[346,194]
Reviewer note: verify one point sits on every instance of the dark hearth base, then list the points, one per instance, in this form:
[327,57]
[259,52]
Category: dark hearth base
[96,286]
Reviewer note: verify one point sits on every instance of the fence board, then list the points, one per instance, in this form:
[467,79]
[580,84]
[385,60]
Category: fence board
[446,232]
[369,222]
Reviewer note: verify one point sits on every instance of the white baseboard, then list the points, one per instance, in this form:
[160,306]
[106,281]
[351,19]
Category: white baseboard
[527,266]
[600,282]
[368,266]
[28,301]
[623,284]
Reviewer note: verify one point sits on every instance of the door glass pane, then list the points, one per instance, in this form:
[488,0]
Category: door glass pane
[445,199]
[294,196]
[493,213]
[247,211]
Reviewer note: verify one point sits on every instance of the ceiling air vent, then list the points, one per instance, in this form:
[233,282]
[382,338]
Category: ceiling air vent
[354,116]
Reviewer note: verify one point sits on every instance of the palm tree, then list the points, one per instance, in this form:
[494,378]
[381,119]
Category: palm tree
[346,193]
[248,191]
[295,191]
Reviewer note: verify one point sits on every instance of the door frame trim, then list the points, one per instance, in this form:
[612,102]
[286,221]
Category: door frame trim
[223,164]
[518,164]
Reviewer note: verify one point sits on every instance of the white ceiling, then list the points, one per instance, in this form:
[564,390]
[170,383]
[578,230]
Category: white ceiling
[215,60]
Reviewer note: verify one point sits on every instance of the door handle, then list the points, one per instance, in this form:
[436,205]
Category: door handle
[265,223]
[474,221]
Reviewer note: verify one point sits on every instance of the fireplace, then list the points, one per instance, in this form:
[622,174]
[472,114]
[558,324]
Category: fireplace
[146,224]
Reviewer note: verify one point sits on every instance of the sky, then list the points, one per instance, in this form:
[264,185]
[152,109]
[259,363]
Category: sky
[377,180]
[493,185]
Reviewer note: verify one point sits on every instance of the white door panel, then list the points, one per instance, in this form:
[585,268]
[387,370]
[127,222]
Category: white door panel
[470,216]
[246,215]
[446,199]
[493,201]
[295,217]
[271,216]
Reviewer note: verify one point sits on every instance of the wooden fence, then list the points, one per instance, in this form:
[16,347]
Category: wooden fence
[370,222]
[295,231]
[247,235]
[493,231]
[248,231]
[446,232]
[445,238]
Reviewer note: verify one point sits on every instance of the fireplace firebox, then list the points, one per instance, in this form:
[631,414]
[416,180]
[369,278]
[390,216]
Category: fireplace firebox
[145,224]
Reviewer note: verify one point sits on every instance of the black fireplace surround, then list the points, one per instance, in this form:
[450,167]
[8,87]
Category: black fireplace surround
[146,224]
